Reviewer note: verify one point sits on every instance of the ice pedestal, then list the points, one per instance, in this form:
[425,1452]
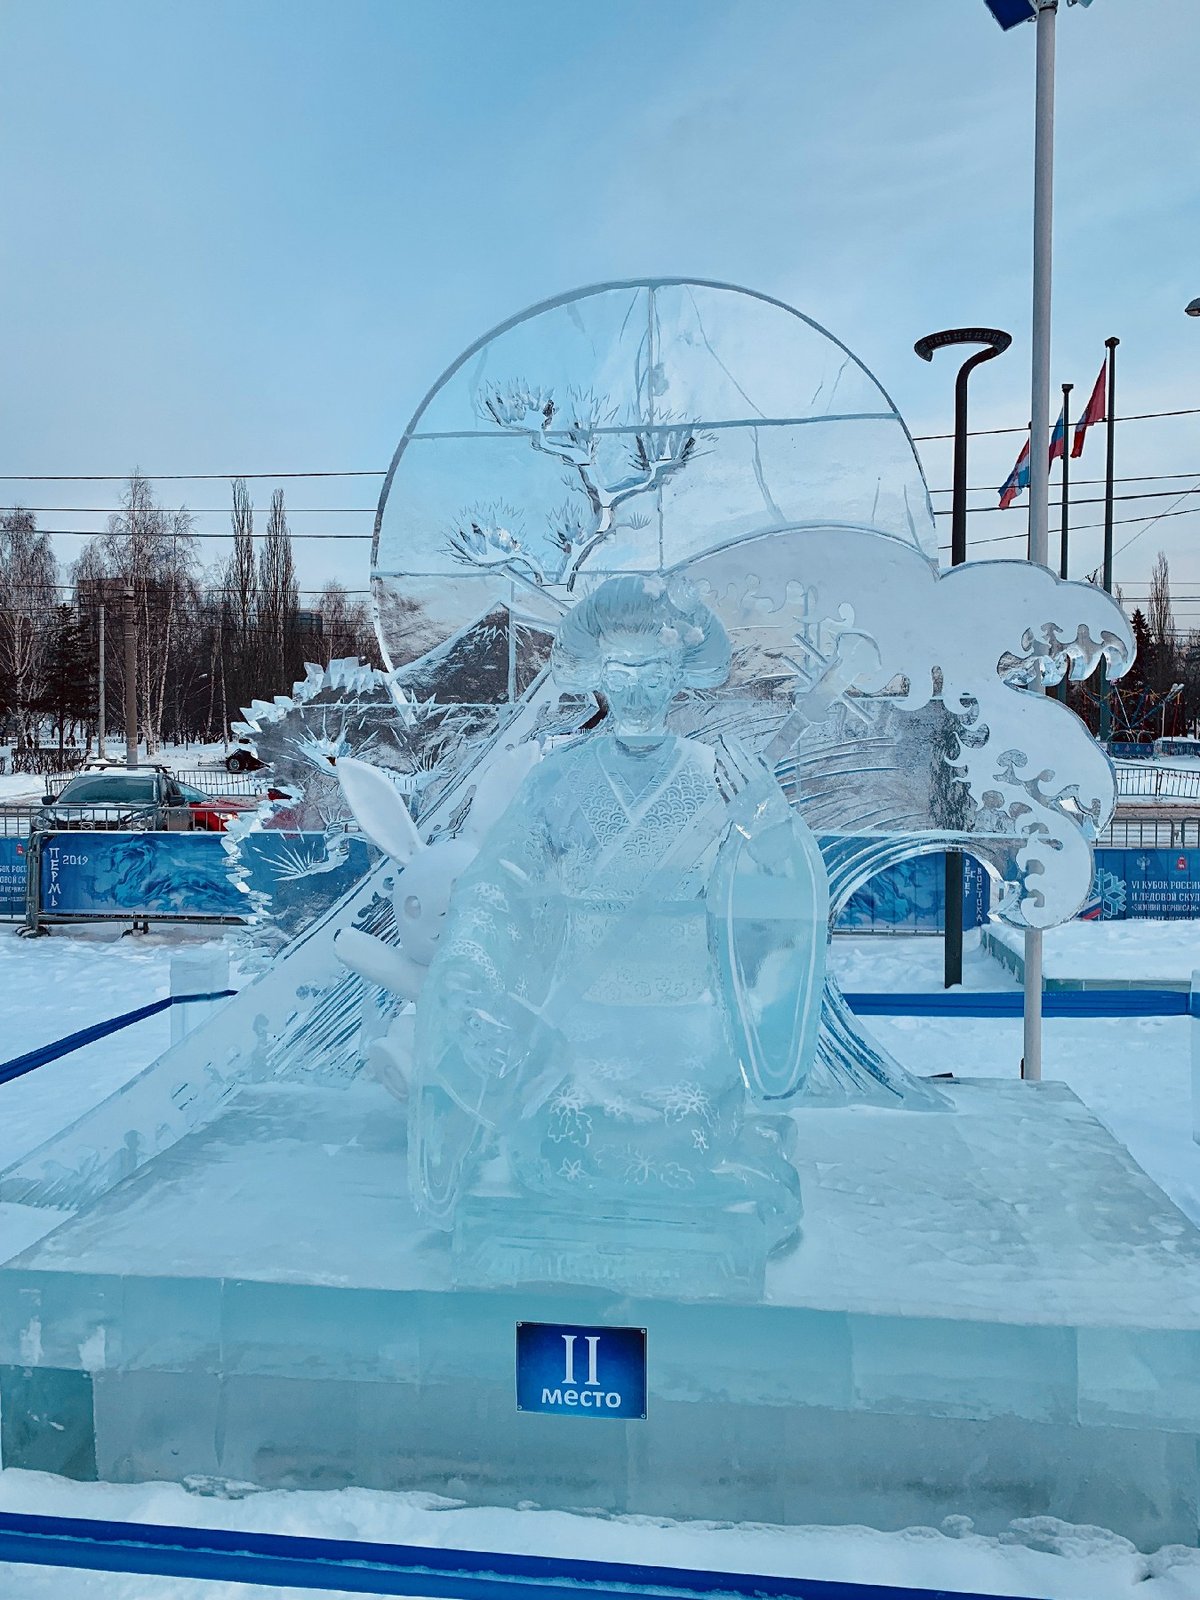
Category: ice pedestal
[993,1313]
[704,1252]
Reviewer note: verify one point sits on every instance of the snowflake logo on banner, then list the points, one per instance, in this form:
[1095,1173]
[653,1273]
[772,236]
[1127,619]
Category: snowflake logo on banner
[1110,890]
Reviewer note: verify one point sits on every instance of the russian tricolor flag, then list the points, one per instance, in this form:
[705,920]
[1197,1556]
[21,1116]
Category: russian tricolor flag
[1017,480]
[1058,439]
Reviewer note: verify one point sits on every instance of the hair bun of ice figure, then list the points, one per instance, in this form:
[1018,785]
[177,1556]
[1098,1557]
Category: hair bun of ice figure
[641,610]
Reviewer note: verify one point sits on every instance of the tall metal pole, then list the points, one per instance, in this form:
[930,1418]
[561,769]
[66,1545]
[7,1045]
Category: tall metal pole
[1109,463]
[100,689]
[1039,411]
[1064,531]
[131,710]
[1064,518]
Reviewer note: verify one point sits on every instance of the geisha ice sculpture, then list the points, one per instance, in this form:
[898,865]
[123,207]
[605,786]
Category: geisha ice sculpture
[632,968]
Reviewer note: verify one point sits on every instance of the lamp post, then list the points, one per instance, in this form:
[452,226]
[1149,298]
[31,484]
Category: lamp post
[994,341]
[1110,445]
[1065,512]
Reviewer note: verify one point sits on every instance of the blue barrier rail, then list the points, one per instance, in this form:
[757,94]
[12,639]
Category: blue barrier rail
[1011,1003]
[20,1065]
[287,1560]
[937,1003]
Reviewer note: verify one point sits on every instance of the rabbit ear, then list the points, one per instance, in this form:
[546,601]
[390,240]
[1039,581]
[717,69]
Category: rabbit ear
[496,786]
[379,809]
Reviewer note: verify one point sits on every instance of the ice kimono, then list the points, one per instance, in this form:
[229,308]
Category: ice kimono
[632,957]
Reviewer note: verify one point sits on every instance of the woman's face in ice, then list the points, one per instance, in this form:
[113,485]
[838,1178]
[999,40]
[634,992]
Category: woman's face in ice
[639,686]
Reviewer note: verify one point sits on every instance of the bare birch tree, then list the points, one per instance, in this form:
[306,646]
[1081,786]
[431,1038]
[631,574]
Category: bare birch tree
[28,594]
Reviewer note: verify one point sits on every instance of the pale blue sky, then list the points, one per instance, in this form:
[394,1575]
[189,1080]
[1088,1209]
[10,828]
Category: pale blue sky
[247,234]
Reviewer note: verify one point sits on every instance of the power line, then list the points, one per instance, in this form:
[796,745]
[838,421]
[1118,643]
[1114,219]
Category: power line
[380,472]
[978,488]
[1083,527]
[204,593]
[1167,513]
[217,511]
[369,511]
[982,433]
[182,477]
[181,538]
[1092,500]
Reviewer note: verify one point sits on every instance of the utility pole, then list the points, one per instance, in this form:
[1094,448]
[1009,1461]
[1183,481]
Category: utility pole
[996,342]
[100,690]
[1109,461]
[1039,412]
[131,707]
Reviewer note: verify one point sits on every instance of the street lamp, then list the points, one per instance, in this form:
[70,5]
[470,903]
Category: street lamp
[995,342]
[1192,309]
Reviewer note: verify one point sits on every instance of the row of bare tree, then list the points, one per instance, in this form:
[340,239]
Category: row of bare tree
[208,641]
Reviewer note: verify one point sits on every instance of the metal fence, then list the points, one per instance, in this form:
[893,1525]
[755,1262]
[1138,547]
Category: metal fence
[216,781]
[209,780]
[1148,782]
[1151,833]
[16,822]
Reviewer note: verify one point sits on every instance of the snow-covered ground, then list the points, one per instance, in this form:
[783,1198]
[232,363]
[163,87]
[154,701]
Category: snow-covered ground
[56,985]
[1166,952]
[1037,1557]
[1133,1073]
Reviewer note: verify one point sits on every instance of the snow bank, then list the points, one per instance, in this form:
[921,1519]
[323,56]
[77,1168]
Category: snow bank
[1038,1557]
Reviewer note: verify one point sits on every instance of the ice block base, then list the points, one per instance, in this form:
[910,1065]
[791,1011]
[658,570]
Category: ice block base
[992,1312]
[702,1254]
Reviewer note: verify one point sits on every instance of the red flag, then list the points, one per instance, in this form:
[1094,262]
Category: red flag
[1096,412]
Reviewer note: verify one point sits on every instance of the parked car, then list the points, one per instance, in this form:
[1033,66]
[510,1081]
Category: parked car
[145,797]
[242,758]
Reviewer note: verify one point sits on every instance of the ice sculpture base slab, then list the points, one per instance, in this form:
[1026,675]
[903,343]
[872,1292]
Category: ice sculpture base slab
[700,1253]
[994,1314]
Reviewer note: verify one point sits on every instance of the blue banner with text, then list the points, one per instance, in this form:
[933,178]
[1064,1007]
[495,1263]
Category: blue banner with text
[14,854]
[1143,884]
[129,876]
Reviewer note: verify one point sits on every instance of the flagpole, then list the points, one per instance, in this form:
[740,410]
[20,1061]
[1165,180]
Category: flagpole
[1065,514]
[1039,457]
[1109,459]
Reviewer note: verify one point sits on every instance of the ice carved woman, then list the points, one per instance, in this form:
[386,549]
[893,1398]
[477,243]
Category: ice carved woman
[635,958]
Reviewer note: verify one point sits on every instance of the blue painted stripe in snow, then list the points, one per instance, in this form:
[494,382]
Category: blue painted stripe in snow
[20,1065]
[286,1560]
[1011,1003]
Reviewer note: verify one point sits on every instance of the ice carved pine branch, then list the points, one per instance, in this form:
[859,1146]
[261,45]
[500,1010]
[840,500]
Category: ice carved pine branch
[484,538]
[571,435]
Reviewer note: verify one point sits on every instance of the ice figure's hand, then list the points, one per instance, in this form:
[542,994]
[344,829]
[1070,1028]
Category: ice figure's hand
[754,801]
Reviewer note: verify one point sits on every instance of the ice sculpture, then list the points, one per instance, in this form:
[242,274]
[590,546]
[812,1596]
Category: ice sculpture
[680,428]
[634,961]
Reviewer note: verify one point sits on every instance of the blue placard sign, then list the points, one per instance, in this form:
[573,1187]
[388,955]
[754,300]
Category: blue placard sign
[1011,13]
[571,1371]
